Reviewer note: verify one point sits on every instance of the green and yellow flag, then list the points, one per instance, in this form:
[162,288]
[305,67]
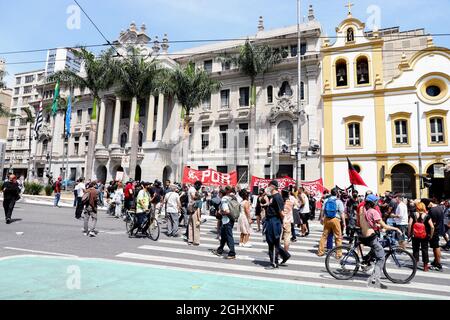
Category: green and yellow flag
[55,106]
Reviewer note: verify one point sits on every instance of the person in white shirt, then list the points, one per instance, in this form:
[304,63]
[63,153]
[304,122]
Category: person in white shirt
[401,219]
[118,198]
[80,189]
[172,205]
[304,211]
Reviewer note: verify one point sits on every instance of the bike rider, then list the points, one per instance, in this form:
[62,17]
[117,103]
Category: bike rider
[371,223]
[142,208]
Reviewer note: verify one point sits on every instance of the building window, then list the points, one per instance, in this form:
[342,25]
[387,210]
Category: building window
[126,110]
[285,135]
[302,91]
[16,102]
[401,132]
[222,169]
[29,79]
[303,49]
[294,50]
[123,140]
[208,66]
[341,73]
[437,130]
[79,116]
[362,70]
[205,137]
[27,89]
[226,65]
[269,94]
[243,136]
[225,99]
[17,91]
[76,146]
[86,145]
[44,147]
[12,122]
[350,35]
[156,106]
[242,174]
[142,109]
[207,103]
[284,52]
[90,110]
[354,135]
[285,90]
[244,97]
[433,91]
[223,137]
[18,80]
[141,139]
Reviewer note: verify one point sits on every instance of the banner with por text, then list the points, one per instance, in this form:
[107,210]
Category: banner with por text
[261,183]
[209,177]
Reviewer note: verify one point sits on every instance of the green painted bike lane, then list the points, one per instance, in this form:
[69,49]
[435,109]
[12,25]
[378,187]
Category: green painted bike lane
[54,278]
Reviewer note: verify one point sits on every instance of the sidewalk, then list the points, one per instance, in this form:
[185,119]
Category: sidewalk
[48,201]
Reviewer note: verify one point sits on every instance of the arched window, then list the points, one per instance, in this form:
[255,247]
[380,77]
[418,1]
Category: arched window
[141,138]
[341,73]
[285,135]
[44,147]
[285,90]
[350,35]
[269,94]
[362,70]
[123,140]
[401,132]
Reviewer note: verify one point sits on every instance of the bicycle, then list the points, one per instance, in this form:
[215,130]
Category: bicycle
[344,262]
[149,223]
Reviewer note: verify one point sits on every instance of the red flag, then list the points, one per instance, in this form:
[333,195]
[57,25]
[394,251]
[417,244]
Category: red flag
[355,178]
[209,177]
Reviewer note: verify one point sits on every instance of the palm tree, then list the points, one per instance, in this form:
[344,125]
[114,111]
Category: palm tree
[99,77]
[139,77]
[253,61]
[4,113]
[191,86]
[29,120]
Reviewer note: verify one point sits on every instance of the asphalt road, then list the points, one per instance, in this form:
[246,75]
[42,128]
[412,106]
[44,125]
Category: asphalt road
[43,240]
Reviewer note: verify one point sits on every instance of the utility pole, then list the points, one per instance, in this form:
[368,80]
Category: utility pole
[299,97]
[419,147]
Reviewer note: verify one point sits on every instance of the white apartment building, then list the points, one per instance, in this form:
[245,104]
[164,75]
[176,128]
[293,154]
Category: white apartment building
[62,59]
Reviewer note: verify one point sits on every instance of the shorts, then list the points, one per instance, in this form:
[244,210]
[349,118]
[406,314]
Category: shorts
[434,242]
[404,230]
[287,233]
[304,217]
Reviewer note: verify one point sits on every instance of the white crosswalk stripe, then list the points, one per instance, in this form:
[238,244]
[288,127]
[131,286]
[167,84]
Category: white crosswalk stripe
[304,266]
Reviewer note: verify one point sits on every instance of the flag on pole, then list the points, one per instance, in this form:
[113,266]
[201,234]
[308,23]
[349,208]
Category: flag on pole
[355,178]
[68,116]
[55,100]
[39,120]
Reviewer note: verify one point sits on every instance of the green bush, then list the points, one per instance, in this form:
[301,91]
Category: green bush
[48,190]
[33,188]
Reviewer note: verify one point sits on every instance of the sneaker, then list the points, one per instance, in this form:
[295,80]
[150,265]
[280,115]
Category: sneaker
[216,253]
[285,260]
[8,221]
[231,257]
[293,240]
[436,267]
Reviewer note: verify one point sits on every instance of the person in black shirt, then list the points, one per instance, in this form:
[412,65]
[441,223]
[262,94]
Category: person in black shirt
[436,213]
[11,193]
[274,225]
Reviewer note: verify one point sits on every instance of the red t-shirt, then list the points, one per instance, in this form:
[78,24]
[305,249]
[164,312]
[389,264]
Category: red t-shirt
[361,205]
[58,187]
[128,194]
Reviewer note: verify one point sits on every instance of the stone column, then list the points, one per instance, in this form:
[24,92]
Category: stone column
[150,118]
[159,124]
[101,124]
[132,116]
[116,124]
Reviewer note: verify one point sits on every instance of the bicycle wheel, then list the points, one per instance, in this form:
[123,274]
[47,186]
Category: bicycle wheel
[130,225]
[400,266]
[154,230]
[342,263]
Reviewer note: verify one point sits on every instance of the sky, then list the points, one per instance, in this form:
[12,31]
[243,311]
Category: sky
[27,24]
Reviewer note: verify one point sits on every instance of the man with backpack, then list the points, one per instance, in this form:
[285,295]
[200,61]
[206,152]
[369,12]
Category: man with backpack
[333,210]
[230,211]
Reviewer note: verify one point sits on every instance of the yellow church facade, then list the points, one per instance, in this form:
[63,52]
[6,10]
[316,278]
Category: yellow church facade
[386,107]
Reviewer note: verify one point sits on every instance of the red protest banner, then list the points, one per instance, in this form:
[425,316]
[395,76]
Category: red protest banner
[315,188]
[261,183]
[209,177]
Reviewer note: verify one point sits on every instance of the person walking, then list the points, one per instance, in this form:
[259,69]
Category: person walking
[244,220]
[333,210]
[90,211]
[288,218]
[305,211]
[11,193]
[226,231]
[57,190]
[261,207]
[195,221]
[401,219]
[172,205]
[80,189]
[101,191]
[421,229]
[118,199]
[274,225]
[436,214]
